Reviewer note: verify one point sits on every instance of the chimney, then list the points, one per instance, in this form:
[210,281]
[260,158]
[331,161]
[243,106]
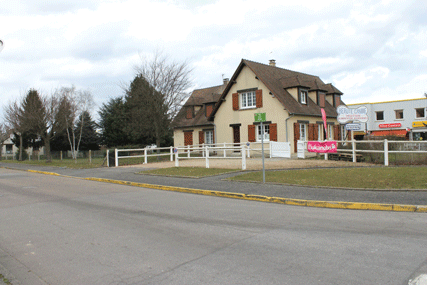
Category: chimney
[225,81]
[272,62]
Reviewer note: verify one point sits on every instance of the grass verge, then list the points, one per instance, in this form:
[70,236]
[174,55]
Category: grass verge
[188,171]
[375,177]
[69,163]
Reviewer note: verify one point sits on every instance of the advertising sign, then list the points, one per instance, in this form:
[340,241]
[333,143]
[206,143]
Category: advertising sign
[353,127]
[386,126]
[346,115]
[322,147]
[419,124]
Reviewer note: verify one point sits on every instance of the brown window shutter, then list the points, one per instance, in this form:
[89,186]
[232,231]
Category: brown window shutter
[311,128]
[296,135]
[322,99]
[251,133]
[235,101]
[201,137]
[273,132]
[209,109]
[258,94]
[189,112]
[188,138]
[316,132]
[336,132]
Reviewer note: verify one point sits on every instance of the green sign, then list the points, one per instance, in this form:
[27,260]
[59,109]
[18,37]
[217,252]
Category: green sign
[260,117]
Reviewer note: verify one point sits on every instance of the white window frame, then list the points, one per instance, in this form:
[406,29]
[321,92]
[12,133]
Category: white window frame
[321,132]
[266,128]
[330,132]
[209,137]
[303,96]
[246,98]
[303,132]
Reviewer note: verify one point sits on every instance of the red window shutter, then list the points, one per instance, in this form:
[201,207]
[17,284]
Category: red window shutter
[296,136]
[311,132]
[188,138]
[209,109]
[273,132]
[201,137]
[251,133]
[322,99]
[316,132]
[235,101]
[189,112]
[258,94]
[336,132]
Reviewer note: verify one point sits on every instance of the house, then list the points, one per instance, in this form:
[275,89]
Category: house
[291,100]
[401,118]
[191,125]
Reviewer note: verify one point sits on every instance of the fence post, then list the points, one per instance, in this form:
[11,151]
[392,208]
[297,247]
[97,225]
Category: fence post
[171,150]
[244,157]
[207,157]
[386,152]
[108,158]
[90,156]
[60,155]
[225,154]
[116,157]
[145,155]
[176,158]
[188,151]
[326,156]
[353,148]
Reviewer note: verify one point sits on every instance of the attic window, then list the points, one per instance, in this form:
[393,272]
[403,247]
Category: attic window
[248,100]
[303,96]
[189,113]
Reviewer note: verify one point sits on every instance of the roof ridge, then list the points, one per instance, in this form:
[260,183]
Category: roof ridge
[267,65]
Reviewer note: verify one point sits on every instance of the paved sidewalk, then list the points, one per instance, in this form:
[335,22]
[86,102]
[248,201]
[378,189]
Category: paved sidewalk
[216,183]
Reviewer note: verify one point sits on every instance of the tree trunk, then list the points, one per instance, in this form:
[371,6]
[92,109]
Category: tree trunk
[47,148]
[21,142]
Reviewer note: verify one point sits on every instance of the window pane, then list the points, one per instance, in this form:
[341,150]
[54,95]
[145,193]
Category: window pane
[420,113]
[380,115]
[399,114]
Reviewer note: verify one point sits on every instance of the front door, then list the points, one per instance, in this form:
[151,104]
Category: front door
[236,136]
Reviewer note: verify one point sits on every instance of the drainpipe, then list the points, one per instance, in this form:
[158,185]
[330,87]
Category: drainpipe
[286,125]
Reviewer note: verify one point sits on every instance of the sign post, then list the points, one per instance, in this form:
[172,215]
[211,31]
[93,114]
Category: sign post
[261,117]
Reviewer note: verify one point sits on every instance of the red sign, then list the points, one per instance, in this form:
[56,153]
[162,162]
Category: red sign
[394,125]
[322,147]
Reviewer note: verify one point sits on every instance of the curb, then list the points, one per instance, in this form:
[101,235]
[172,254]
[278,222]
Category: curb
[261,198]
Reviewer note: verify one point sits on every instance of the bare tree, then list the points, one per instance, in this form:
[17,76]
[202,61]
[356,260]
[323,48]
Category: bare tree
[72,104]
[4,135]
[13,118]
[171,82]
[170,78]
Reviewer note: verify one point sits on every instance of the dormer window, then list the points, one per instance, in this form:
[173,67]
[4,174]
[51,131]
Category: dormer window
[248,100]
[303,94]
[189,112]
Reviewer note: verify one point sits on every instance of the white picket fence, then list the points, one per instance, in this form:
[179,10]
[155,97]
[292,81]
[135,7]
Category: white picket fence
[414,147]
[221,152]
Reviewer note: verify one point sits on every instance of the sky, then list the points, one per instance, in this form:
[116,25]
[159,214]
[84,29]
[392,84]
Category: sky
[371,51]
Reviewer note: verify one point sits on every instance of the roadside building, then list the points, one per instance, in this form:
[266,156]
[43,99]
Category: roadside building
[402,118]
[292,102]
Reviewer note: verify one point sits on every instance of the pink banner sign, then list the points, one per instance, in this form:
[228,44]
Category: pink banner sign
[322,147]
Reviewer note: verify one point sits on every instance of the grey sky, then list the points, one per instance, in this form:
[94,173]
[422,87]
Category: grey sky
[370,50]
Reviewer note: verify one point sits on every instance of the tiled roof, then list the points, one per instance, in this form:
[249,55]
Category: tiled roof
[199,97]
[277,80]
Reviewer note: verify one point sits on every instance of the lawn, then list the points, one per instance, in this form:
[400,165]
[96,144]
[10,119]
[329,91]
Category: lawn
[69,163]
[371,177]
[195,172]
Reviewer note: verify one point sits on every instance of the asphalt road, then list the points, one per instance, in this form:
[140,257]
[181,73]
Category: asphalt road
[58,230]
[217,183]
